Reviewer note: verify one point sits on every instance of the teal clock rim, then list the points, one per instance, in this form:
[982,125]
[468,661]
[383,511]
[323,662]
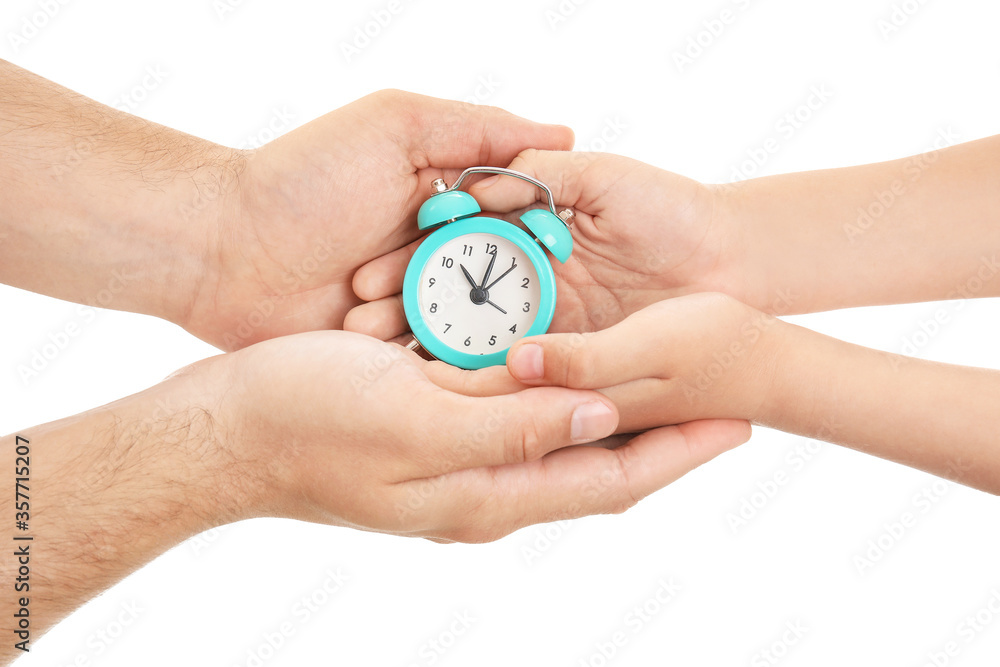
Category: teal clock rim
[478,224]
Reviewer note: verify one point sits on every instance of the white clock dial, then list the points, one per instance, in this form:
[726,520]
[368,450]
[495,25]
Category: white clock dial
[473,307]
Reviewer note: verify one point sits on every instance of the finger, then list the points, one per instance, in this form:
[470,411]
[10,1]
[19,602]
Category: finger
[384,275]
[442,133]
[457,432]
[383,319]
[577,481]
[576,179]
[492,381]
[592,360]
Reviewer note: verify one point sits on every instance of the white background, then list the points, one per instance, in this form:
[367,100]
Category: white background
[608,64]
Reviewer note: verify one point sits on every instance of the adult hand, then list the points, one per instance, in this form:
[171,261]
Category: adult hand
[360,433]
[306,210]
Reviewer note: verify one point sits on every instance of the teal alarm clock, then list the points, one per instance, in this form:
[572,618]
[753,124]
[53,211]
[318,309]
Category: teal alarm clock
[477,284]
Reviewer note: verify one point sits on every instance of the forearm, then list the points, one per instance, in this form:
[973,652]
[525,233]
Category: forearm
[100,207]
[936,417]
[106,492]
[917,229]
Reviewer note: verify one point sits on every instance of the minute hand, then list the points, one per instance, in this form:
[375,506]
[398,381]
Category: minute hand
[489,270]
[513,265]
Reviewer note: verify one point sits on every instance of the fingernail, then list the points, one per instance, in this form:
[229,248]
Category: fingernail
[526,364]
[487,182]
[592,421]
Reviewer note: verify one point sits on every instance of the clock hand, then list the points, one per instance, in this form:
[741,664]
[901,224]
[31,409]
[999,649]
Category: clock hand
[489,270]
[496,306]
[513,265]
[469,278]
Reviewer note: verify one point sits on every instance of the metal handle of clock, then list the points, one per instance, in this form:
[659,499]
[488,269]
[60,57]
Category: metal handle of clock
[565,217]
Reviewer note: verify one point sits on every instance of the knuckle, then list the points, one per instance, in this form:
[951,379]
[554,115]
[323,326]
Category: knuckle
[528,155]
[388,96]
[579,362]
[525,444]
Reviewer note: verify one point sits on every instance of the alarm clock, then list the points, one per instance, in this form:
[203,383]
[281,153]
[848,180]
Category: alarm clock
[478,284]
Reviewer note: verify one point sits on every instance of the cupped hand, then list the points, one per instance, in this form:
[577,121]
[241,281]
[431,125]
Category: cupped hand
[339,428]
[301,214]
[641,235]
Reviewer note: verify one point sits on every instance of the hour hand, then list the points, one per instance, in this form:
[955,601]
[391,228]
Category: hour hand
[468,277]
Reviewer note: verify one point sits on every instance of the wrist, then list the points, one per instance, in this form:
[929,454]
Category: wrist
[739,275]
[763,392]
[182,222]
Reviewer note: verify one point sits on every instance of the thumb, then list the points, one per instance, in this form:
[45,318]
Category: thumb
[447,134]
[586,361]
[576,179]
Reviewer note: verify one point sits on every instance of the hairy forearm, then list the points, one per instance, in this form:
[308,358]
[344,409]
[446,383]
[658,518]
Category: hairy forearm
[922,228]
[108,491]
[936,417]
[100,207]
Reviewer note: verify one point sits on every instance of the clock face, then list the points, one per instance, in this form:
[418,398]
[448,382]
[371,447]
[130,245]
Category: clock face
[479,293]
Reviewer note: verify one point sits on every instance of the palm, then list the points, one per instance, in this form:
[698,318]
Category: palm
[641,235]
[626,258]
[318,203]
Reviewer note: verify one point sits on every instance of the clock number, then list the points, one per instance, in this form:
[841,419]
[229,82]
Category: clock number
[467,250]
[446,327]
[491,249]
[468,341]
[493,340]
[447,262]
[434,307]
[513,329]
[527,307]
[525,283]
[431,282]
